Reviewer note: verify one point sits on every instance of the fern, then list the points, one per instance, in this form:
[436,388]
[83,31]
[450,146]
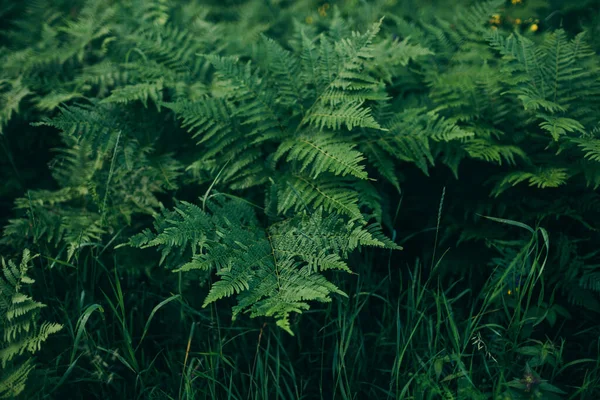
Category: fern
[298,192]
[12,95]
[105,176]
[412,133]
[341,83]
[304,128]
[274,271]
[249,111]
[140,91]
[323,153]
[22,331]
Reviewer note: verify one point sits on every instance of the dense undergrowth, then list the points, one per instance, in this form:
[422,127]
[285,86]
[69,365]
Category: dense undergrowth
[297,199]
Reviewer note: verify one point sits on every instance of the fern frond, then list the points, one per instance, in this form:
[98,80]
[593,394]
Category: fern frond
[174,47]
[494,152]
[411,133]
[298,193]
[285,69]
[343,84]
[382,161]
[320,152]
[558,126]
[273,271]
[351,114]
[590,280]
[10,98]
[14,380]
[590,147]
[542,178]
[180,228]
[22,329]
[209,120]
[90,123]
[140,91]
[245,86]
[393,55]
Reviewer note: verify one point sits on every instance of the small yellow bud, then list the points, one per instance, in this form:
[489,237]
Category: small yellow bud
[534,27]
[516,1]
[309,20]
[509,292]
[518,21]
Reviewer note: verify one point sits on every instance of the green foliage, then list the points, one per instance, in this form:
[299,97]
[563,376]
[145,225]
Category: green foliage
[229,183]
[104,177]
[23,332]
[274,271]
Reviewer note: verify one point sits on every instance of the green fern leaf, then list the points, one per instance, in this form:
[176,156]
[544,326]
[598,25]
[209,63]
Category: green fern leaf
[323,152]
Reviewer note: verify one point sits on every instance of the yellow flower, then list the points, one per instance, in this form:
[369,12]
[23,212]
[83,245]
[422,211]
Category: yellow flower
[518,21]
[495,19]
[516,1]
[534,27]
[309,20]
[509,292]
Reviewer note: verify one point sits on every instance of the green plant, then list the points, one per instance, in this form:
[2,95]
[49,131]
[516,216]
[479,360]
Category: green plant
[218,191]
[23,330]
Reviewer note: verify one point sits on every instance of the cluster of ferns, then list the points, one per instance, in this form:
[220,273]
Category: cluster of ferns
[266,153]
